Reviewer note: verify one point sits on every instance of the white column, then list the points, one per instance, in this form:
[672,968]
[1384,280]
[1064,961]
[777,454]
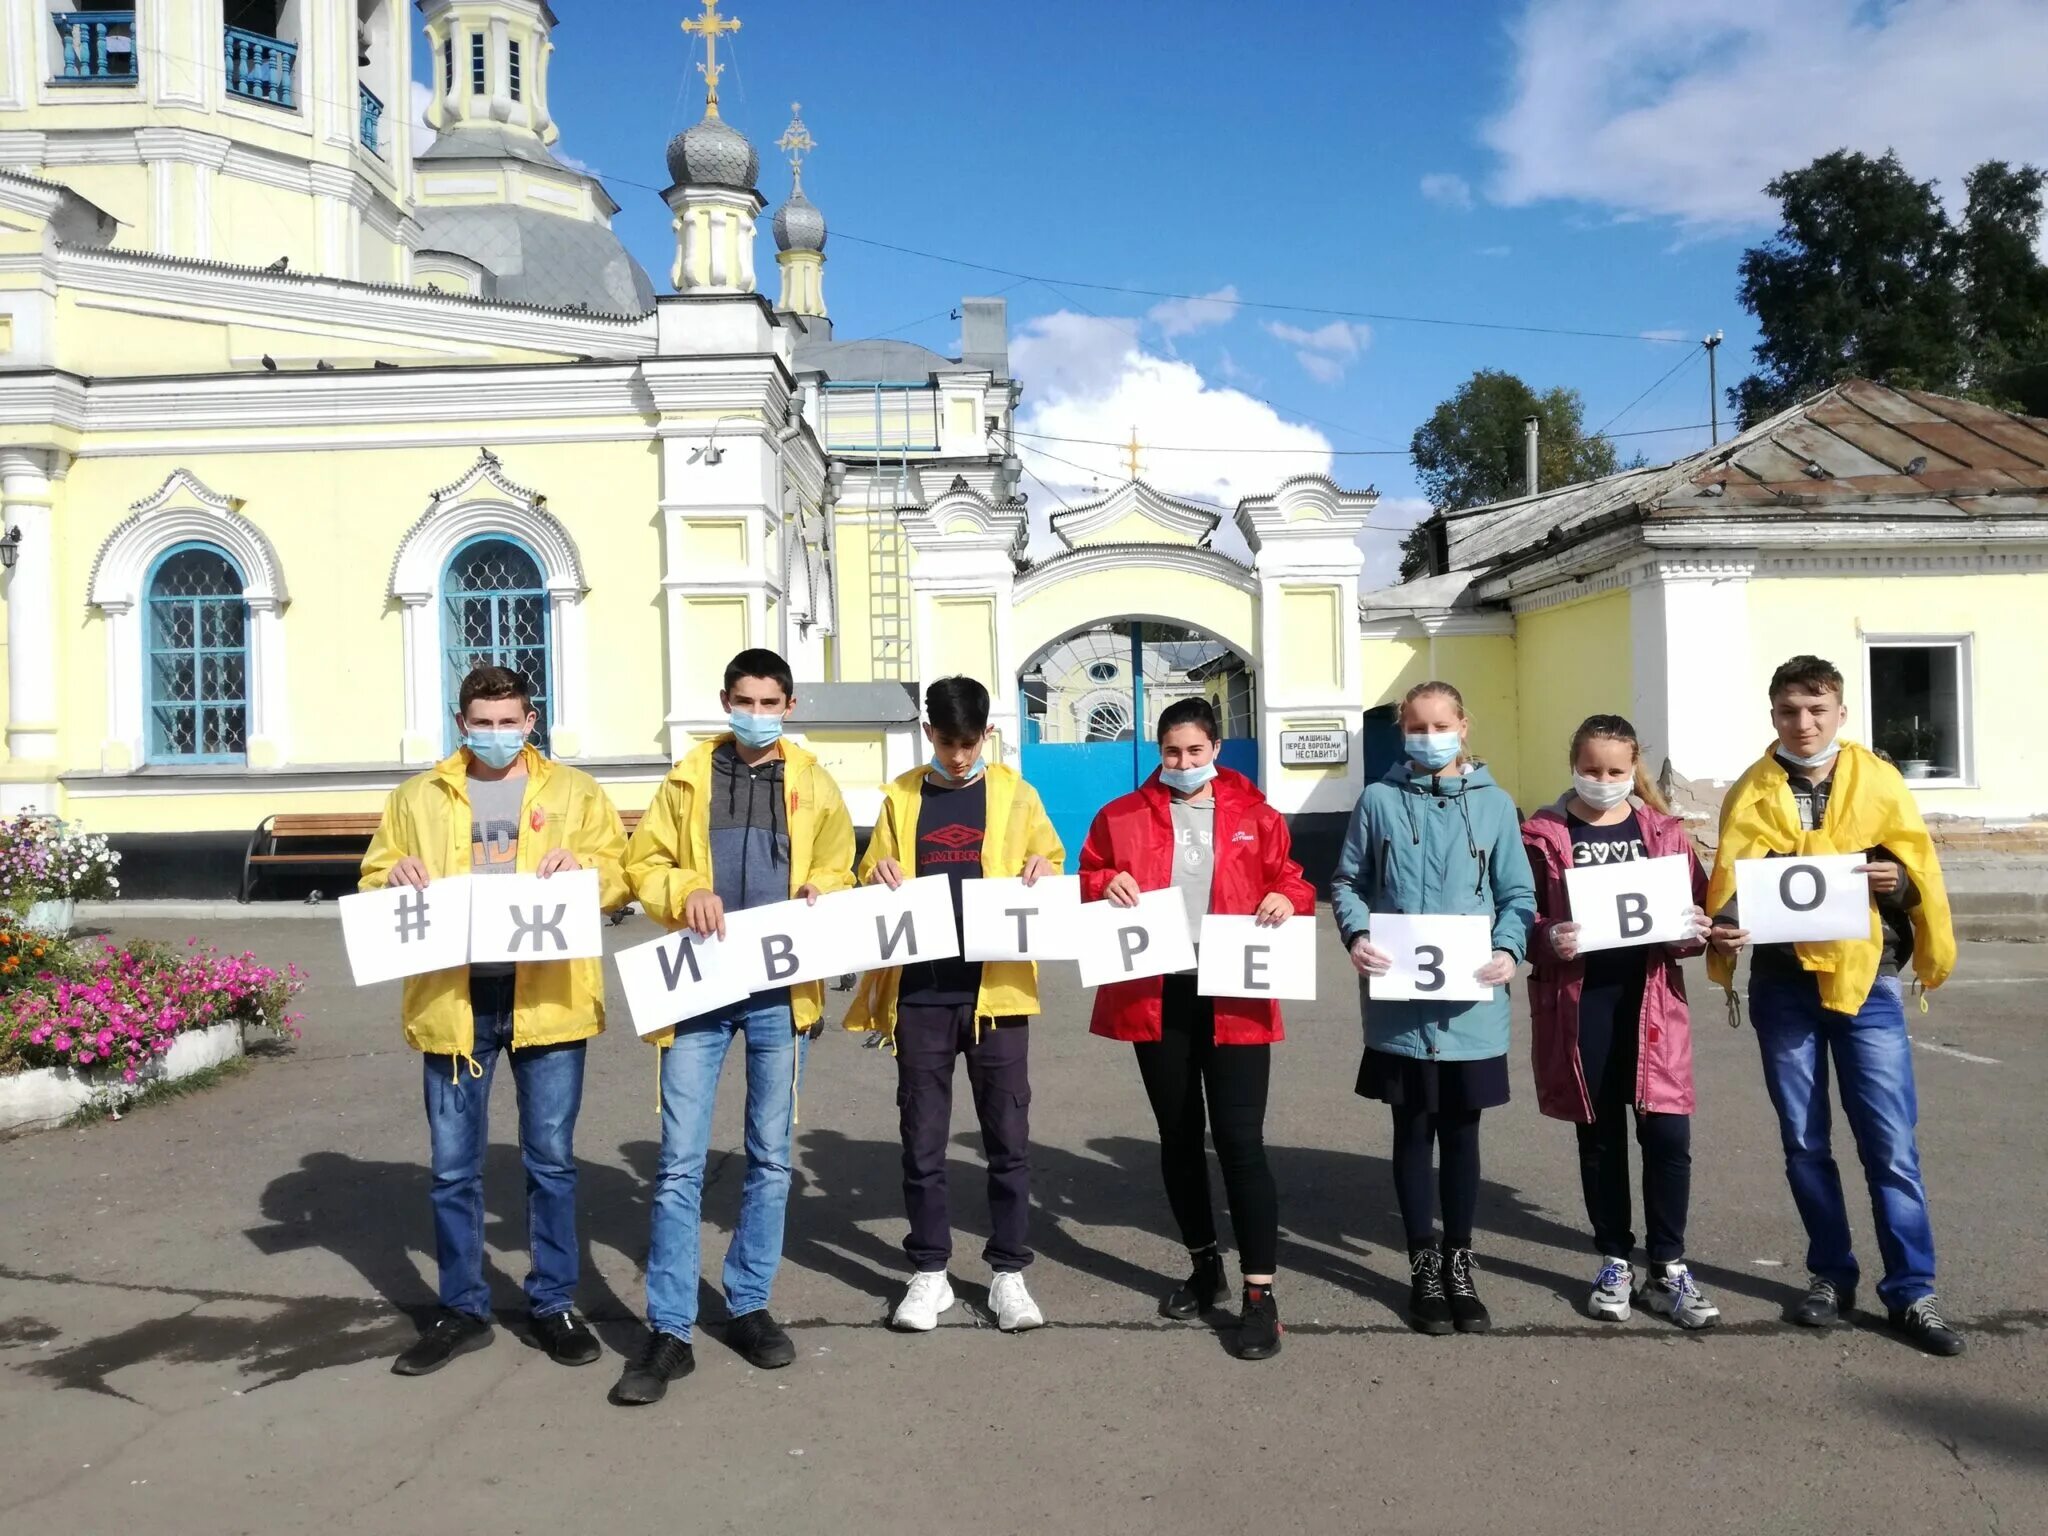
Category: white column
[1685,613]
[121,750]
[423,736]
[269,699]
[32,638]
[565,729]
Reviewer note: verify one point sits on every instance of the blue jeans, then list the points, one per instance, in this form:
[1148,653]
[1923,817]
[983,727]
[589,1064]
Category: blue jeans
[1874,1059]
[549,1079]
[690,1070]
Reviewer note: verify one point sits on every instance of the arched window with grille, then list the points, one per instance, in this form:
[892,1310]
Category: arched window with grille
[495,613]
[196,657]
[1108,721]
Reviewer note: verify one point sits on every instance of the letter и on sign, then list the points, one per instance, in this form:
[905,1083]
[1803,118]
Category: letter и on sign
[879,927]
[677,977]
[400,931]
[1006,920]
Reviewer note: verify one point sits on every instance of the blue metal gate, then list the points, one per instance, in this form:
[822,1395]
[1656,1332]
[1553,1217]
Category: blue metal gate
[1092,703]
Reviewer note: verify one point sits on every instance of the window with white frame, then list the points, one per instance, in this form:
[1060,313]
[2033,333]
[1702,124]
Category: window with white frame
[1918,688]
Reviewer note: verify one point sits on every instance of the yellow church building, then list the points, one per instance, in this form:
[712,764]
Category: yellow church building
[300,419]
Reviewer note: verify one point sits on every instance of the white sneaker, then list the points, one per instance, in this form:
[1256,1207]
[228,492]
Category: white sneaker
[930,1294]
[1014,1308]
[1613,1290]
[1676,1295]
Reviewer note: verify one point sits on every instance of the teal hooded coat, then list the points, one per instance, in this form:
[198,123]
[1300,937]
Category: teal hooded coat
[1426,844]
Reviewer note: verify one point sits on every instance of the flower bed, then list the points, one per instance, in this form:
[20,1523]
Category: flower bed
[45,859]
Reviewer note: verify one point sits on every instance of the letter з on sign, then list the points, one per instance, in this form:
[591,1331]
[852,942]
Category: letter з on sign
[1435,958]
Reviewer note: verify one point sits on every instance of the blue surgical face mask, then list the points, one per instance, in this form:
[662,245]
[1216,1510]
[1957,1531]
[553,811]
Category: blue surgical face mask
[756,731]
[1819,759]
[1434,750]
[497,748]
[974,771]
[1185,781]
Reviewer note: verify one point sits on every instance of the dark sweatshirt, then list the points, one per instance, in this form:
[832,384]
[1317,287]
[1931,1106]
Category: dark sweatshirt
[749,832]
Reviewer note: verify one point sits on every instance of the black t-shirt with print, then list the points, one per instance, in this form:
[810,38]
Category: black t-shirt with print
[1613,983]
[952,822]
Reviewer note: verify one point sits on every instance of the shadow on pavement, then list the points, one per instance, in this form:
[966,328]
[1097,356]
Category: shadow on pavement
[1967,1425]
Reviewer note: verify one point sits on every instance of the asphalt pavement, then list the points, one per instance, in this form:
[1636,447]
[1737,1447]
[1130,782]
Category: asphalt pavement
[199,1303]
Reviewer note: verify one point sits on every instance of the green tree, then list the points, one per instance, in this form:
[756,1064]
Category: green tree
[2005,284]
[1469,452]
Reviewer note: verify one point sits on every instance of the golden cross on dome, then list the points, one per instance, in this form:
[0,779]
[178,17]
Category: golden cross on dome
[711,26]
[796,142]
[1131,453]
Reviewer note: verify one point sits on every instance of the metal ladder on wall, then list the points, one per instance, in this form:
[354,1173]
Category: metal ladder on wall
[888,558]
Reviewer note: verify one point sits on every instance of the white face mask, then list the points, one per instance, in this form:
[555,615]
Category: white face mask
[1601,794]
[1819,759]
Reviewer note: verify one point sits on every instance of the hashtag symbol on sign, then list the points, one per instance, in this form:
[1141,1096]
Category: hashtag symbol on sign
[412,916]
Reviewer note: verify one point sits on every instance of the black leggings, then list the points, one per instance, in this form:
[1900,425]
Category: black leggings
[1455,1135]
[1182,1067]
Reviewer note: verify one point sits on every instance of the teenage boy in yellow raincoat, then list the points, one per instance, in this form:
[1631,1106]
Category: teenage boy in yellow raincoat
[498,807]
[965,817]
[1814,793]
[743,821]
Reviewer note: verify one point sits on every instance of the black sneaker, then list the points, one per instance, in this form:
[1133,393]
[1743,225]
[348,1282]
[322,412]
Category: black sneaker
[760,1338]
[1923,1324]
[450,1334]
[567,1338]
[1428,1311]
[666,1358]
[1204,1290]
[1258,1328]
[1468,1312]
[1823,1305]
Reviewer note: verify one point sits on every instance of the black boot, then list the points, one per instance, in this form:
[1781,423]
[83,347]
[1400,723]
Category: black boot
[1428,1311]
[1468,1312]
[1203,1291]
[1258,1329]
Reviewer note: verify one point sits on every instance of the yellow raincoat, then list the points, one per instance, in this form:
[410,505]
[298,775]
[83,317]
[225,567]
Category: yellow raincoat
[669,859]
[427,817]
[1868,807]
[1009,988]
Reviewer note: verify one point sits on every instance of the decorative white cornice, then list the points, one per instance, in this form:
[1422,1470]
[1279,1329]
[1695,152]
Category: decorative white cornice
[184,144]
[1134,498]
[183,508]
[1304,506]
[1139,560]
[963,519]
[484,500]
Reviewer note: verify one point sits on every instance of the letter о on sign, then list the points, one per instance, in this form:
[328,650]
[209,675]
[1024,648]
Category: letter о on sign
[1804,899]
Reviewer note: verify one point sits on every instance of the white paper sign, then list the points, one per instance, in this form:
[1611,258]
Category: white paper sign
[1008,920]
[677,977]
[880,927]
[1640,901]
[787,943]
[523,917]
[1241,959]
[401,931]
[1126,943]
[1803,900]
[1435,958]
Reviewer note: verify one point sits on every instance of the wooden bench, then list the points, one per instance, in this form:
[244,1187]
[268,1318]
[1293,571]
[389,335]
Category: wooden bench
[277,842]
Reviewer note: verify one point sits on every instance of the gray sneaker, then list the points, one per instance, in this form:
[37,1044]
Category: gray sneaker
[1613,1290]
[1676,1295]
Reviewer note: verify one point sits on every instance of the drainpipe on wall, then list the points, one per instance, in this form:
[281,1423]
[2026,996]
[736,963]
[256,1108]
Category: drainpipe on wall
[1530,426]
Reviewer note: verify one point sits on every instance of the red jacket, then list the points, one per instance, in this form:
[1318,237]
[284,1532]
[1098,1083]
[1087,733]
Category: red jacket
[1664,1044]
[1135,833]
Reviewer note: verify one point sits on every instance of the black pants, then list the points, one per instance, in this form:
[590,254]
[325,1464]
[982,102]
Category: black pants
[1608,1054]
[1182,1068]
[1454,1134]
[998,1070]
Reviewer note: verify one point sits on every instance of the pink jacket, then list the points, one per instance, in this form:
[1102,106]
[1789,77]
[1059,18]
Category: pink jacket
[1664,1057]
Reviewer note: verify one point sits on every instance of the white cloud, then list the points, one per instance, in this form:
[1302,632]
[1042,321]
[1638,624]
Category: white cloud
[1325,352]
[1183,317]
[1497,252]
[1088,381]
[1381,540]
[1447,191]
[1683,109]
[1666,333]
[422,136]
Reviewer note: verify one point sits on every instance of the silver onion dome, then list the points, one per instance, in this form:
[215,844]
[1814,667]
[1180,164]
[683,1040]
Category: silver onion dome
[713,154]
[799,226]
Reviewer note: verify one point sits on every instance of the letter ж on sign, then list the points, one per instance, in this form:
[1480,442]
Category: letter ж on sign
[675,978]
[400,931]
[1241,959]
[1007,920]
[1639,901]
[1127,943]
[524,918]
[879,927]
[1803,900]
[1435,958]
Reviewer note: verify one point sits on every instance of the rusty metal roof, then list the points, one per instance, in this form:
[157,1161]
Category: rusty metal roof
[1858,449]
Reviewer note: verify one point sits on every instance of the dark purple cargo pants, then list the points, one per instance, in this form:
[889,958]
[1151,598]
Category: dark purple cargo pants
[998,1071]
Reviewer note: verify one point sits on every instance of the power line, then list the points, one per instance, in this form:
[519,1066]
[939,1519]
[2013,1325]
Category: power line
[1336,453]
[1639,399]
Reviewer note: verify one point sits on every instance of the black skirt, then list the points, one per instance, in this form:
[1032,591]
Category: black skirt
[1417,1083]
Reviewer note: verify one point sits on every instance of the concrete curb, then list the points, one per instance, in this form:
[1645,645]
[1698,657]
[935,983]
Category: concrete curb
[101,914]
[44,1098]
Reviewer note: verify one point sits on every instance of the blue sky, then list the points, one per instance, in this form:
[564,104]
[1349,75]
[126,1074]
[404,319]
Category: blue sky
[1573,164]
